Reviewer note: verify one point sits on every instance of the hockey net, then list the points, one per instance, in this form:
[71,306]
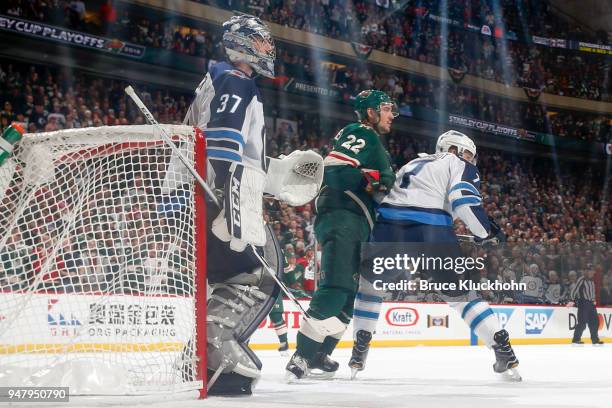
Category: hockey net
[102,250]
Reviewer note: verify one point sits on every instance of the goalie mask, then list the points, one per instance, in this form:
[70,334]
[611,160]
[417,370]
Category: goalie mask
[247,39]
[465,147]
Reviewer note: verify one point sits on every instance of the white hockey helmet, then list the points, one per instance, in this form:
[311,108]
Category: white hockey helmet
[461,142]
[242,38]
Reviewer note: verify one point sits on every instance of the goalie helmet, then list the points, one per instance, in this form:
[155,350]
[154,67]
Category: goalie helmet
[452,138]
[245,38]
[373,99]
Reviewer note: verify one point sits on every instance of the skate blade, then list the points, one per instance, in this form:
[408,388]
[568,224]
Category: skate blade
[291,378]
[512,375]
[321,375]
[284,353]
[354,372]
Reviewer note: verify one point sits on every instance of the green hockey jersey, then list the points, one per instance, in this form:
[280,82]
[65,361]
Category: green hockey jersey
[356,148]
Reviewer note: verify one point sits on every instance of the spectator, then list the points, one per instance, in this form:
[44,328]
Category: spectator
[554,291]
[535,286]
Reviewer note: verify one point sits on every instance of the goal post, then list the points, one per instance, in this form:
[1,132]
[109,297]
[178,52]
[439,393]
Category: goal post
[103,262]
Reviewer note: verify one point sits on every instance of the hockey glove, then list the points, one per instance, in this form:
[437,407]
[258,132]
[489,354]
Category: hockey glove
[373,181]
[496,236]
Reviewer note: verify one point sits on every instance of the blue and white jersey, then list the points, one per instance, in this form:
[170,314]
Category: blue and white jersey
[228,107]
[434,190]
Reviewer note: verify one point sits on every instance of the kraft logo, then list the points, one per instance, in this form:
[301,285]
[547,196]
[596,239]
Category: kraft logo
[57,318]
[503,315]
[402,316]
[536,320]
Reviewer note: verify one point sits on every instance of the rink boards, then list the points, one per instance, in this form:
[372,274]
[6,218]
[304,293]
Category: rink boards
[436,324]
[62,323]
[125,324]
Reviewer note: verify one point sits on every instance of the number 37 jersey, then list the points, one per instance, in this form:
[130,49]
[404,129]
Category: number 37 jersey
[228,107]
[434,190]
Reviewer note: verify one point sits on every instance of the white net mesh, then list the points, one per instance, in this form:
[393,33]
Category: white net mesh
[97,262]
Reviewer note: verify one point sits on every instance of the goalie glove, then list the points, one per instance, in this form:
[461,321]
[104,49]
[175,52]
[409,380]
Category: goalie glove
[241,221]
[295,179]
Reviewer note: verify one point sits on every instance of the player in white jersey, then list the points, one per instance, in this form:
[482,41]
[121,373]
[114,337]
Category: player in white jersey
[429,192]
[228,108]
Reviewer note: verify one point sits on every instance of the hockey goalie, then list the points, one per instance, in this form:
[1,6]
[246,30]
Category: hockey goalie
[228,107]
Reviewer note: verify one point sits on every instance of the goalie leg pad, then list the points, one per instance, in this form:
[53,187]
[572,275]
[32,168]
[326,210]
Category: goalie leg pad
[235,309]
[241,381]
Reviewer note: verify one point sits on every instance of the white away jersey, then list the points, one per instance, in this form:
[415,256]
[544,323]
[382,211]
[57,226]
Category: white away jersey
[433,190]
[228,108]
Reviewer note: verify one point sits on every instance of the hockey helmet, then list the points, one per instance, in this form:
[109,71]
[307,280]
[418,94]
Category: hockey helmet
[452,138]
[244,36]
[373,99]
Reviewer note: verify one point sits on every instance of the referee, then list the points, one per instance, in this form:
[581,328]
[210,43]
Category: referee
[583,296]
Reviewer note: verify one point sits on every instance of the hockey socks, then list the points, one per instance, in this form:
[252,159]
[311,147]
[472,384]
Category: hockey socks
[280,327]
[306,346]
[480,317]
[330,343]
[367,310]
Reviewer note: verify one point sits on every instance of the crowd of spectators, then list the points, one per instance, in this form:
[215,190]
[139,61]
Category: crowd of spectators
[52,99]
[408,90]
[540,205]
[403,29]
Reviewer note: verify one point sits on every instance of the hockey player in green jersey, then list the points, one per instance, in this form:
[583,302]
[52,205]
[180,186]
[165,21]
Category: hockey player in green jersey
[356,170]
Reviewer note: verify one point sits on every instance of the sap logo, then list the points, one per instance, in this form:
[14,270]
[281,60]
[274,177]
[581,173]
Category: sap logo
[503,315]
[402,316]
[536,320]
[55,318]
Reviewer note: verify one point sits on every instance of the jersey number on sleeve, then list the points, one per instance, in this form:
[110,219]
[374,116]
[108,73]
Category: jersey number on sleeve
[406,177]
[353,144]
[223,100]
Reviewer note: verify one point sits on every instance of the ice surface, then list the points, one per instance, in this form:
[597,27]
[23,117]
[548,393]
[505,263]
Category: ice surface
[446,377]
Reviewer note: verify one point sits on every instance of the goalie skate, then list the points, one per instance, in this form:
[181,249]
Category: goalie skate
[360,352]
[506,361]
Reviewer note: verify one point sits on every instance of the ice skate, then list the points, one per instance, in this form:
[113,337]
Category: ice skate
[283,348]
[297,368]
[360,352]
[322,367]
[506,359]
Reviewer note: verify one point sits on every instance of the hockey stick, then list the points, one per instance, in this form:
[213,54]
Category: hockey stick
[328,326]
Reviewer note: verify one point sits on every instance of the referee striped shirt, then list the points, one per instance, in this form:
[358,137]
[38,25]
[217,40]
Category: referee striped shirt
[584,290]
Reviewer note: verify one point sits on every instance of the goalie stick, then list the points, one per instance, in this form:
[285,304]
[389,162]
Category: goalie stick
[327,326]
